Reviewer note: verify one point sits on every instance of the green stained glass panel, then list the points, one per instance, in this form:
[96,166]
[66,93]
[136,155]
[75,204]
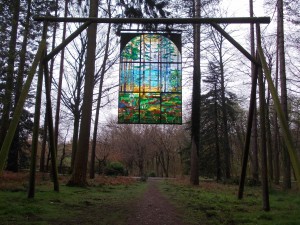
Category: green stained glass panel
[128,108]
[150,79]
[150,107]
[171,108]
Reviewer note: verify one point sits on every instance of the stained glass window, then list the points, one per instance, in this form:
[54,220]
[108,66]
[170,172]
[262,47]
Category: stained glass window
[150,79]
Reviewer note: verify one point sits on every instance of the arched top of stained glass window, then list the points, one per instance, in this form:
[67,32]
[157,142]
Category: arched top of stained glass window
[151,48]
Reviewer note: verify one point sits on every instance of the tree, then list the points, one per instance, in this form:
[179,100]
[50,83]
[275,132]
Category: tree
[212,113]
[263,136]
[19,81]
[218,44]
[270,54]
[139,9]
[145,149]
[167,142]
[283,88]
[23,54]
[254,144]
[44,136]
[74,73]
[72,95]
[81,158]
[61,71]
[12,164]
[195,117]
[103,70]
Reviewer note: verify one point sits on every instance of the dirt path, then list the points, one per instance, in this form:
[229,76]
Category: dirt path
[154,208]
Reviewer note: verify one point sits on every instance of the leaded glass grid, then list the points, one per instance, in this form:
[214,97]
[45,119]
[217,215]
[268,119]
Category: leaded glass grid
[150,85]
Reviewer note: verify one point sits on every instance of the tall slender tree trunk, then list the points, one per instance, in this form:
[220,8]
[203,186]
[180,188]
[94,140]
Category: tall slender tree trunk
[81,159]
[216,117]
[12,161]
[61,72]
[276,130]
[75,136]
[224,119]
[196,101]
[254,148]
[263,131]
[77,100]
[45,133]
[269,138]
[103,70]
[254,144]
[43,147]
[283,87]
[263,140]
[36,125]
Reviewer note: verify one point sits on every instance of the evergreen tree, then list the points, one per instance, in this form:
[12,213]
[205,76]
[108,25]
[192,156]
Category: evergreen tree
[18,46]
[212,131]
[12,163]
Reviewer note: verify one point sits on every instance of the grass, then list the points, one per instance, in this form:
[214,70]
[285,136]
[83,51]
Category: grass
[99,203]
[217,204]
[110,201]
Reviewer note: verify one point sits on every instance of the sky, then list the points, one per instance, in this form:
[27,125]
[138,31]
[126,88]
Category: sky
[240,8]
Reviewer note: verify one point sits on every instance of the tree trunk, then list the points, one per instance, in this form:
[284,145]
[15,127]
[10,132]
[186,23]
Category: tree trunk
[283,97]
[52,145]
[12,161]
[276,130]
[36,125]
[224,119]
[269,138]
[45,133]
[254,145]
[61,72]
[80,166]
[218,158]
[263,131]
[43,149]
[264,168]
[93,154]
[75,136]
[77,109]
[61,163]
[196,100]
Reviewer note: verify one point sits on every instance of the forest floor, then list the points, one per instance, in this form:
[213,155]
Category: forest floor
[106,201]
[127,201]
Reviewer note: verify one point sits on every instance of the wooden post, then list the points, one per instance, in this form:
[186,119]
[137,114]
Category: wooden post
[36,125]
[234,43]
[263,131]
[281,117]
[50,128]
[67,41]
[248,133]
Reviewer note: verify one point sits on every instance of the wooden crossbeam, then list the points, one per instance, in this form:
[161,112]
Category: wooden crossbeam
[237,20]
